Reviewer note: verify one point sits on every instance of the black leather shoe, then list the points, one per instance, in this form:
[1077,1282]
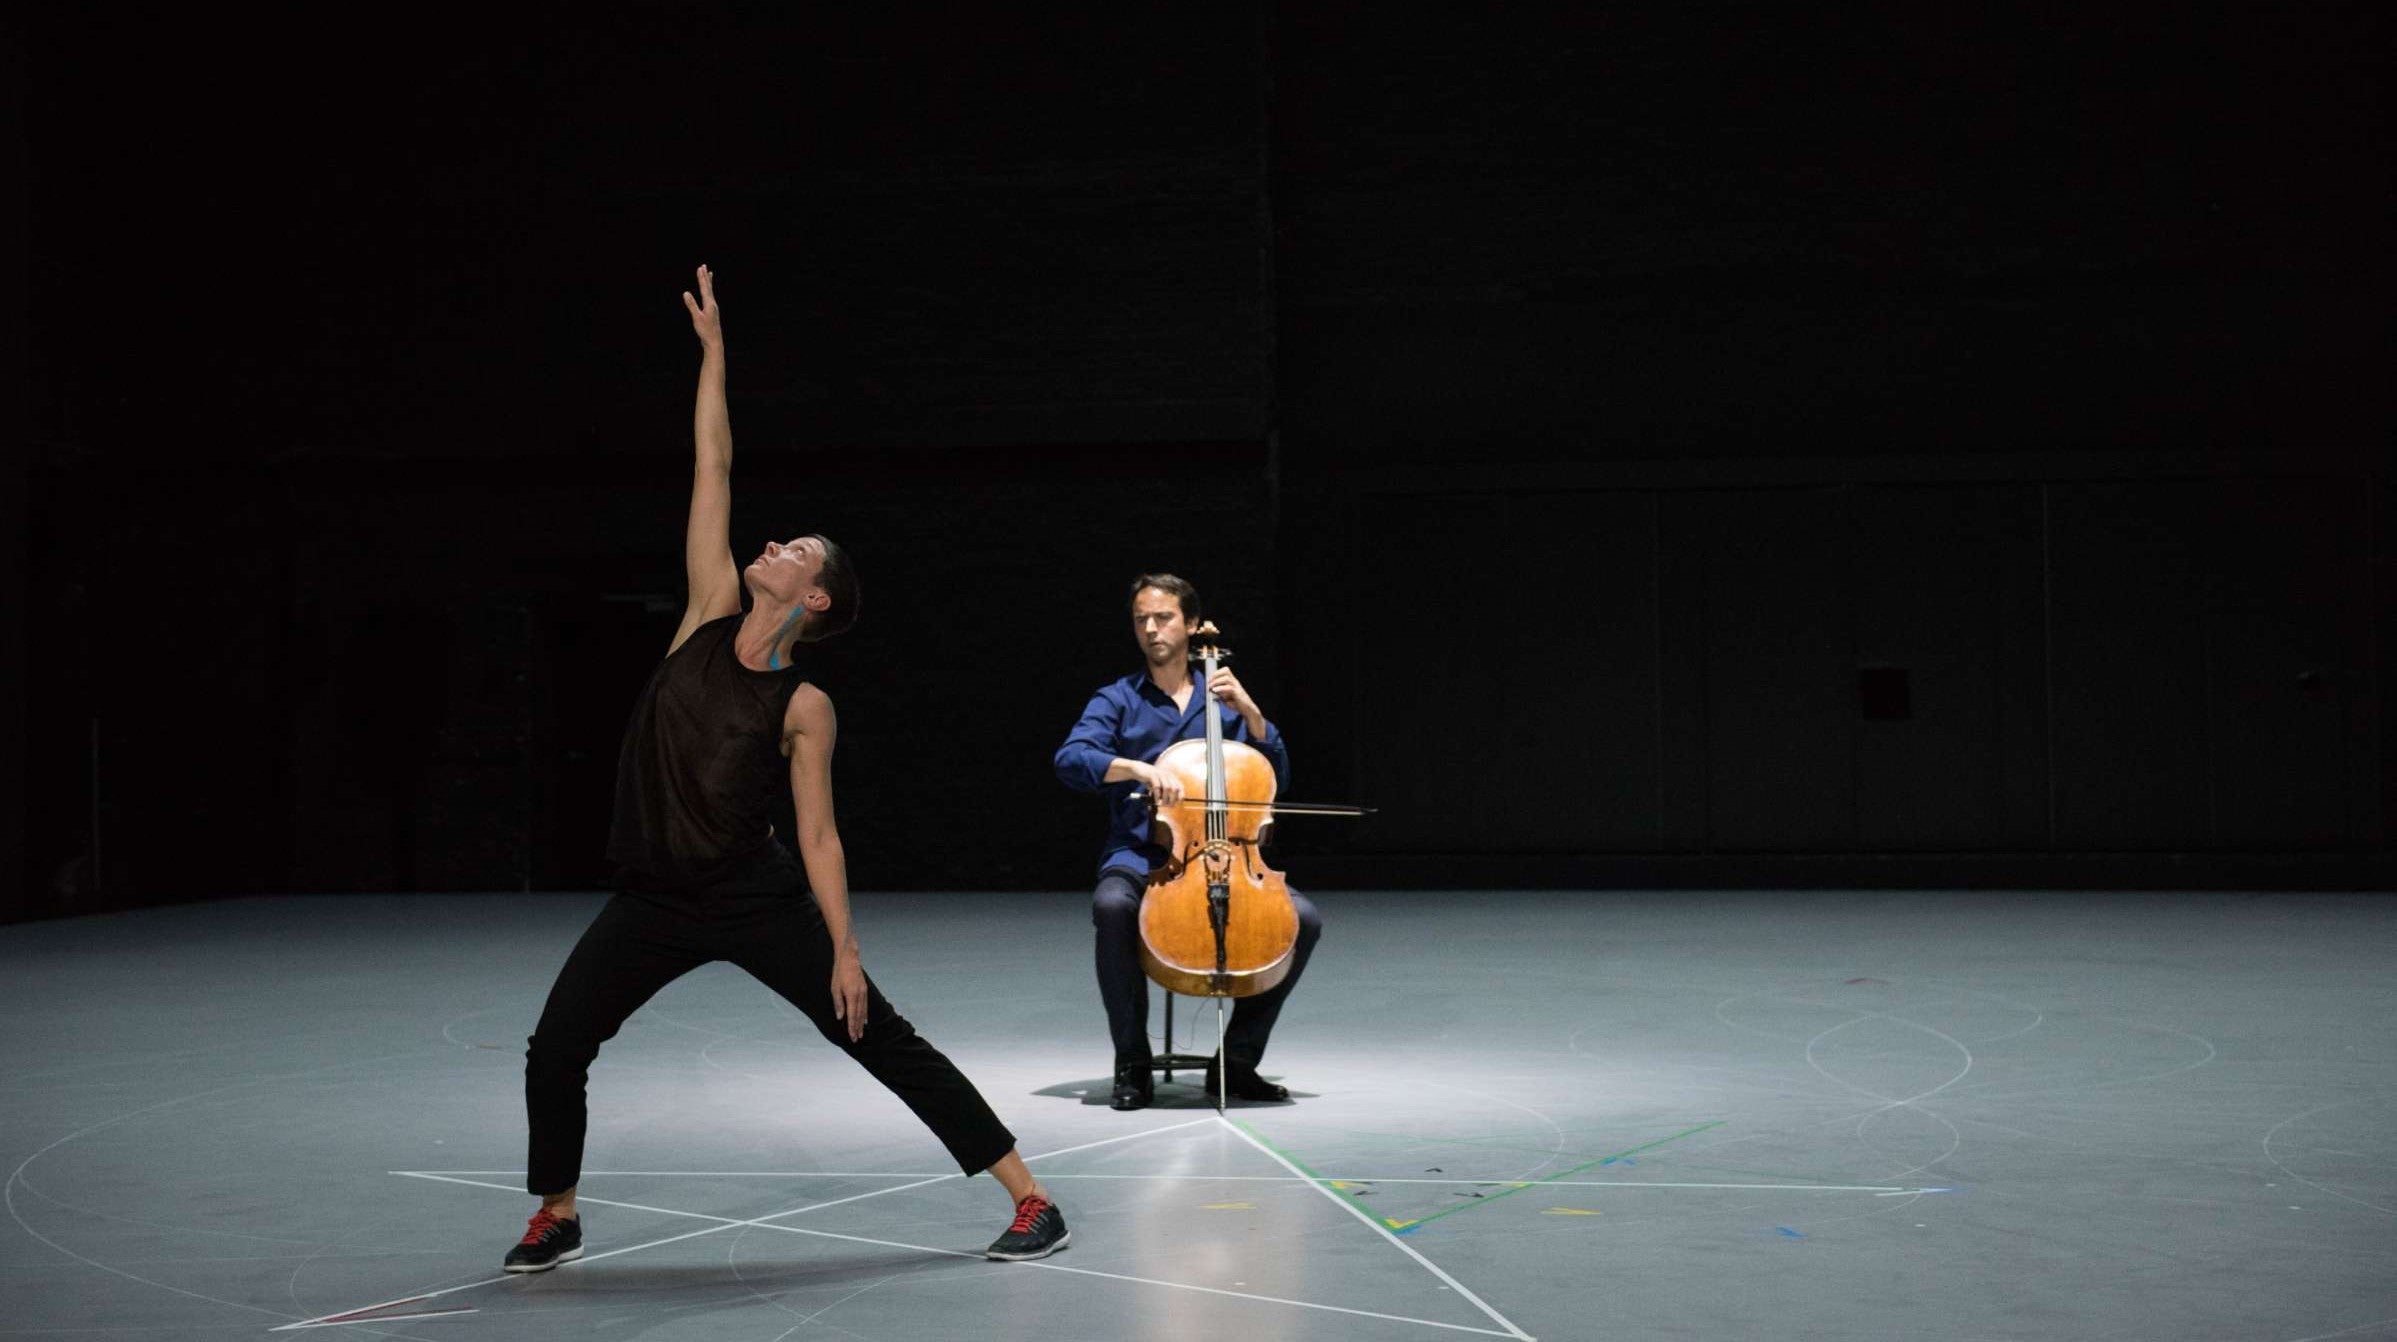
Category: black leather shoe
[1135,1086]
[1247,1085]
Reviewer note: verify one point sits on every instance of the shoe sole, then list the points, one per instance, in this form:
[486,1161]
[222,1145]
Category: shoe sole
[1062,1241]
[567,1257]
[1207,1086]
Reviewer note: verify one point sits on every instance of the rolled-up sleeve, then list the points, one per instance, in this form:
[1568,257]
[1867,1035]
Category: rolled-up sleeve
[1273,749]
[1091,746]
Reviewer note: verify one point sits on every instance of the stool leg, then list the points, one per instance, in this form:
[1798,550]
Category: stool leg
[1169,1035]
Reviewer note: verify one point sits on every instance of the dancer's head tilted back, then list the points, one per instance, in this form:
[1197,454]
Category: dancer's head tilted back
[808,572]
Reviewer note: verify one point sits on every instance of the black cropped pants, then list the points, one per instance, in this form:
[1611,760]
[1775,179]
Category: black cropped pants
[640,943]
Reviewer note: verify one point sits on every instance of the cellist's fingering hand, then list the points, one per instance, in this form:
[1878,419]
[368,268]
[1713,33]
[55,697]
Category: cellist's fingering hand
[1165,789]
[1228,688]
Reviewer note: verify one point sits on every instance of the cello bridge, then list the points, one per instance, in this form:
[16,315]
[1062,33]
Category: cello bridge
[1217,854]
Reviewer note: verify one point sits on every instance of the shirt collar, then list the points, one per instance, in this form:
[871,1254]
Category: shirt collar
[1147,688]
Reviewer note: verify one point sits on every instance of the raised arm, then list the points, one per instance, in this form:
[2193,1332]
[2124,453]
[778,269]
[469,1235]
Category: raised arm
[714,581]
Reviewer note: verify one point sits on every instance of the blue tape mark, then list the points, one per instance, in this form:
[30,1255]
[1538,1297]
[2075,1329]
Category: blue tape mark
[774,660]
[1789,1232]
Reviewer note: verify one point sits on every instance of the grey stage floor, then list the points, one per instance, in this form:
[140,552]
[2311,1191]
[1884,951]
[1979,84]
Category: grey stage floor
[1602,1115]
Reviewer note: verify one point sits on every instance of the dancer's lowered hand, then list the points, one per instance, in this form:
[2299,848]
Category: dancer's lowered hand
[849,993]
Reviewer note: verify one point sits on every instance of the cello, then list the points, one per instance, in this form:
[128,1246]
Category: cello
[1216,921]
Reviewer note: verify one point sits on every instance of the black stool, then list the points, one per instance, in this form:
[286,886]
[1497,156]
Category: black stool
[1168,1060]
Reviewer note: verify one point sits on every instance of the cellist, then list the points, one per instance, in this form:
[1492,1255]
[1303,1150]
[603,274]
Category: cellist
[1111,750]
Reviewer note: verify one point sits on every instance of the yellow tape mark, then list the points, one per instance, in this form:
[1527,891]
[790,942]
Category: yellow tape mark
[1231,1206]
[1396,1225]
[1571,1211]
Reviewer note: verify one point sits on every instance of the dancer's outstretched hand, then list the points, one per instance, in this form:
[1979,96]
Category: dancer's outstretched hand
[704,321]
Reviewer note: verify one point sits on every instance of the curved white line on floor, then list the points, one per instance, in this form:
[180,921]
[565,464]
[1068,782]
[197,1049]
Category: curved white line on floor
[2276,1160]
[8,1188]
[195,1231]
[1554,1152]
[1990,1090]
[1955,1138]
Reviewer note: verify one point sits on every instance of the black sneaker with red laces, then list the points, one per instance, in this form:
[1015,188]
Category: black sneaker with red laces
[548,1241]
[1039,1231]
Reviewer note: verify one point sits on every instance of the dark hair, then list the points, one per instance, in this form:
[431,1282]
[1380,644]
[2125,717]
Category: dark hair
[838,578]
[1179,589]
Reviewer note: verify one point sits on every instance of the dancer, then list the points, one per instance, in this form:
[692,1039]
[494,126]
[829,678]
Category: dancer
[727,718]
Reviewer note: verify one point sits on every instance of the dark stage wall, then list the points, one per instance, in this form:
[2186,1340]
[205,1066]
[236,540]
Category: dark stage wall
[1672,447]
[16,557]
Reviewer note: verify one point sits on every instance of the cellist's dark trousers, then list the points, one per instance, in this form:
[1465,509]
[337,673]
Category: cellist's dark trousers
[639,944]
[1124,985]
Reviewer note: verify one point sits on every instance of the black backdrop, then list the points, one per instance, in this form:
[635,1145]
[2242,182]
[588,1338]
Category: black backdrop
[1684,444]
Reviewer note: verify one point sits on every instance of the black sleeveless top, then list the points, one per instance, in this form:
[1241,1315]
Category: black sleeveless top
[702,773]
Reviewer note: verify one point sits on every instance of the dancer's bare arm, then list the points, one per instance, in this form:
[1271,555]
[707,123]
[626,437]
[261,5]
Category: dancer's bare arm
[714,580]
[808,728]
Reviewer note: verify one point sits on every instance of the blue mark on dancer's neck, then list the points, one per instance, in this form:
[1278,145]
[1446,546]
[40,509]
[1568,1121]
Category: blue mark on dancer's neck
[774,654]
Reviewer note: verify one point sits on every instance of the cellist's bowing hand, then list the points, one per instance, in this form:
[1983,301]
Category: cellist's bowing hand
[849,992]
[1165,788]
[1227,687]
